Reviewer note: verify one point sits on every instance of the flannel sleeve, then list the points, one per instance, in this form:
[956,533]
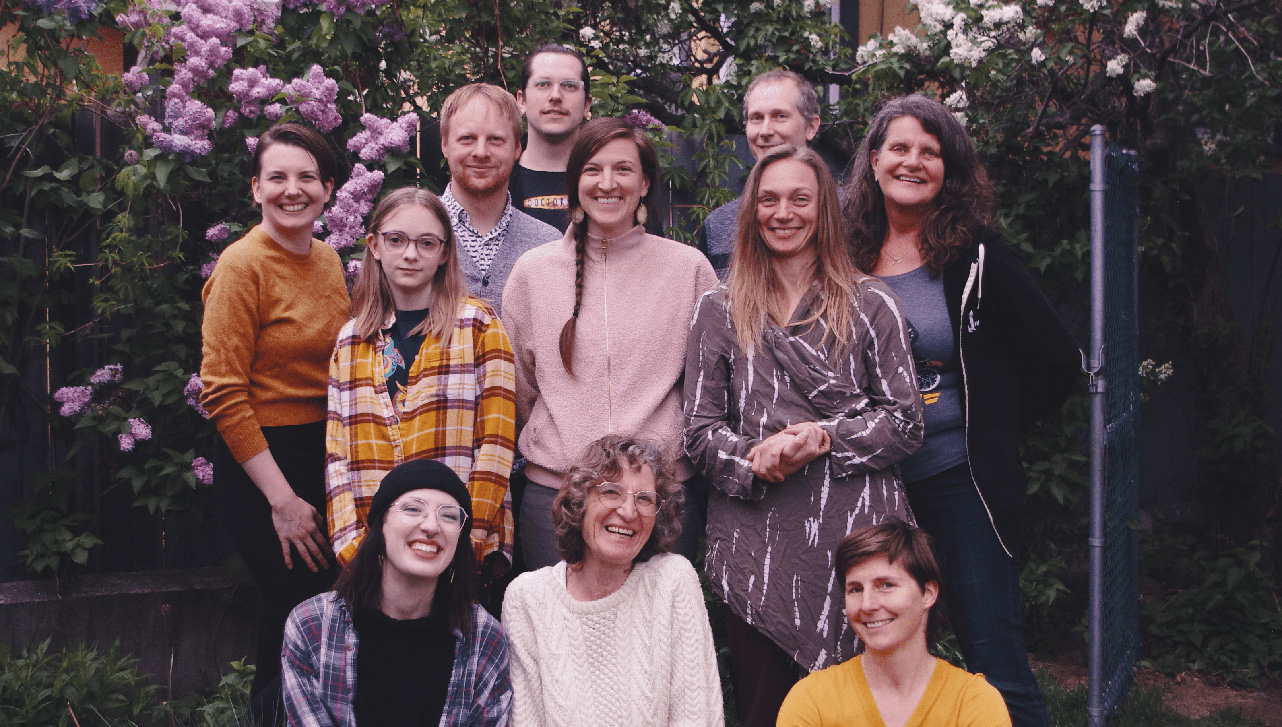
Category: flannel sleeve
[300,669]
[346,522]
[493,441]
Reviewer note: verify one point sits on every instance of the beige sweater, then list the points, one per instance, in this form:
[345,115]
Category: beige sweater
[639,295]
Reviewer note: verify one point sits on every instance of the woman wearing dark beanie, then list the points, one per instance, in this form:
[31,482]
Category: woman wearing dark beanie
[400,641]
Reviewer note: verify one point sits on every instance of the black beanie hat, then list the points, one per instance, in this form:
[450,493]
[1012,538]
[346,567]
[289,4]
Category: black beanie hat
[418,474]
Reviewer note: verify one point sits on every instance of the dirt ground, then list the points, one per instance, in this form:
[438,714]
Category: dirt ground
[1190,694]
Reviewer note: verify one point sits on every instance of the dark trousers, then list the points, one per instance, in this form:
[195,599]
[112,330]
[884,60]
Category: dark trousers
[981,587]
[299,451]
[762,673]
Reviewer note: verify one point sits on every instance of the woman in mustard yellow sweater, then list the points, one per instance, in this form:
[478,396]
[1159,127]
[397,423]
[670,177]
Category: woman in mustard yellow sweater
[273,308]
[892,592]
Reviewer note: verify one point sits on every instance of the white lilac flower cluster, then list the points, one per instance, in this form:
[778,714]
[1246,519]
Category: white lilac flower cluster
[380,135]
[345,218]
[1157,373]
[1134,23]
[957,100]
[1116,66]
[903,40]
[1144,87]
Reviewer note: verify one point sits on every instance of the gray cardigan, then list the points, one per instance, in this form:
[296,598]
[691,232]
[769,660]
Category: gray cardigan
[523,233]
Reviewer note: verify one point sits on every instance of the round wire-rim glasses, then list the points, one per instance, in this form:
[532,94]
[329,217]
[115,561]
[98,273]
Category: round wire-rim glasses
[613,495]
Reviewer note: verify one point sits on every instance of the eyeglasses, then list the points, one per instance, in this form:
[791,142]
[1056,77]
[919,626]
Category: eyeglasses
[613,495]
[450,518]
[569,85]
[396,242]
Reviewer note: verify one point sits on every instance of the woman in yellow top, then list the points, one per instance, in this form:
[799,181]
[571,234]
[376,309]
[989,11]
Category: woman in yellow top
[273,307]
[422,371]
[892,592]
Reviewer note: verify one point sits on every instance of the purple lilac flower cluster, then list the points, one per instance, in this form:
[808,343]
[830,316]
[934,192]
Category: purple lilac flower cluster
[204,32]
[77,11]
[381,135]
[353,269]
[345,218]
[132,156]
[139,431]
[218,232]
[251,87]
[193,390]
[642,119]
[204,470]
[208,268]
[315,96]
[75,400]
[109,374]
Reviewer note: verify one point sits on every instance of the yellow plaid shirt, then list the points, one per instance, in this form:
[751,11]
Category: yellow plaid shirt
[458,408]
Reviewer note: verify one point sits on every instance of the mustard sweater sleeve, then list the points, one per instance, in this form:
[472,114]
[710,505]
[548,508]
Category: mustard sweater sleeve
[229,331]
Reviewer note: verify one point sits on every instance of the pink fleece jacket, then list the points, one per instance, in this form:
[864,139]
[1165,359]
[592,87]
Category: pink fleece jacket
[639,296]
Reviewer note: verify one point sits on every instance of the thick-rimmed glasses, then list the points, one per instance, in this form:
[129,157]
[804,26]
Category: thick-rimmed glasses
[613,495]
[396,242]
[569,85]
[450,518]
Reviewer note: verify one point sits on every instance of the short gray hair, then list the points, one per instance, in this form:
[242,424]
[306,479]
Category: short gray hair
[807,99]
[605,459]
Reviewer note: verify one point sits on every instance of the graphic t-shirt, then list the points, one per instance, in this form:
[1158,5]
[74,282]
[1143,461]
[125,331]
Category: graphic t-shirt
[401,352]
[541,195]
[938,374]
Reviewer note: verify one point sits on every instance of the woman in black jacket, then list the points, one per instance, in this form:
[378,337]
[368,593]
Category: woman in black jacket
[991,355]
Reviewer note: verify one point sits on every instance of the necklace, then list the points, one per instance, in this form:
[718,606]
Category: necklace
[897,258]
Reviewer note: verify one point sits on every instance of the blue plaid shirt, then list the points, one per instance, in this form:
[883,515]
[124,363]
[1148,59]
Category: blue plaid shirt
[318,669]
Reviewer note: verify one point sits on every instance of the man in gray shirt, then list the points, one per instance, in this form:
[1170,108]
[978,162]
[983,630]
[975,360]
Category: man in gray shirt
[780,107]
[481,141]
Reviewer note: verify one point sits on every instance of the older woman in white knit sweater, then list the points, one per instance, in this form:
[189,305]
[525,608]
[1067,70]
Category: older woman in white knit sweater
[598,322]
[616,633]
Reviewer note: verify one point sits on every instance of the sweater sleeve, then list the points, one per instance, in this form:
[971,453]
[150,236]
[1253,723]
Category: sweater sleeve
[346,526]
[714,447]
[229,330]
[492,688]
[518,324]
[495,435]
[889,428]
[527,687]
[695,686]
[300,670]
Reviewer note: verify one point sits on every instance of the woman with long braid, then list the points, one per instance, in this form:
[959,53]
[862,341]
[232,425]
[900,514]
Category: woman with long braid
[598,322]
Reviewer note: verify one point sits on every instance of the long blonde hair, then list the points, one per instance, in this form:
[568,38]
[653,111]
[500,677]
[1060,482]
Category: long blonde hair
[755,289]
[372,299]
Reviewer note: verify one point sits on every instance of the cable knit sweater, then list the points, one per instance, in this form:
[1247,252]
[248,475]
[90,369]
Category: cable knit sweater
[642,655]
[639,295]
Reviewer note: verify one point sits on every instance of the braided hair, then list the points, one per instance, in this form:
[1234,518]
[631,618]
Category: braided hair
[589,140]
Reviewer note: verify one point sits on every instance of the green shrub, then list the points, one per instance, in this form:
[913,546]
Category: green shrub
[45,689]
[1227,621]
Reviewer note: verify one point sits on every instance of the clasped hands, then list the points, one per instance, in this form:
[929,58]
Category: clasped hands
[787,451]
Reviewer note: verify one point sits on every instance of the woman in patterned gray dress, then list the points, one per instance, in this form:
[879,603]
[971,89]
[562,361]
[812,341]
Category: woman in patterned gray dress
[800,399]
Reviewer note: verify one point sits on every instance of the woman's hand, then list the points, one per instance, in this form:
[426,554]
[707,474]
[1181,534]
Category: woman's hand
[785,452]
[299,525]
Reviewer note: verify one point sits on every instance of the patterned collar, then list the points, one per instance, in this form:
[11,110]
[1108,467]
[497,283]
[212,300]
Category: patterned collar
[482,248]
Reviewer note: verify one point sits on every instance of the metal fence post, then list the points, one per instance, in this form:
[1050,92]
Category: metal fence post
[1096,710]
